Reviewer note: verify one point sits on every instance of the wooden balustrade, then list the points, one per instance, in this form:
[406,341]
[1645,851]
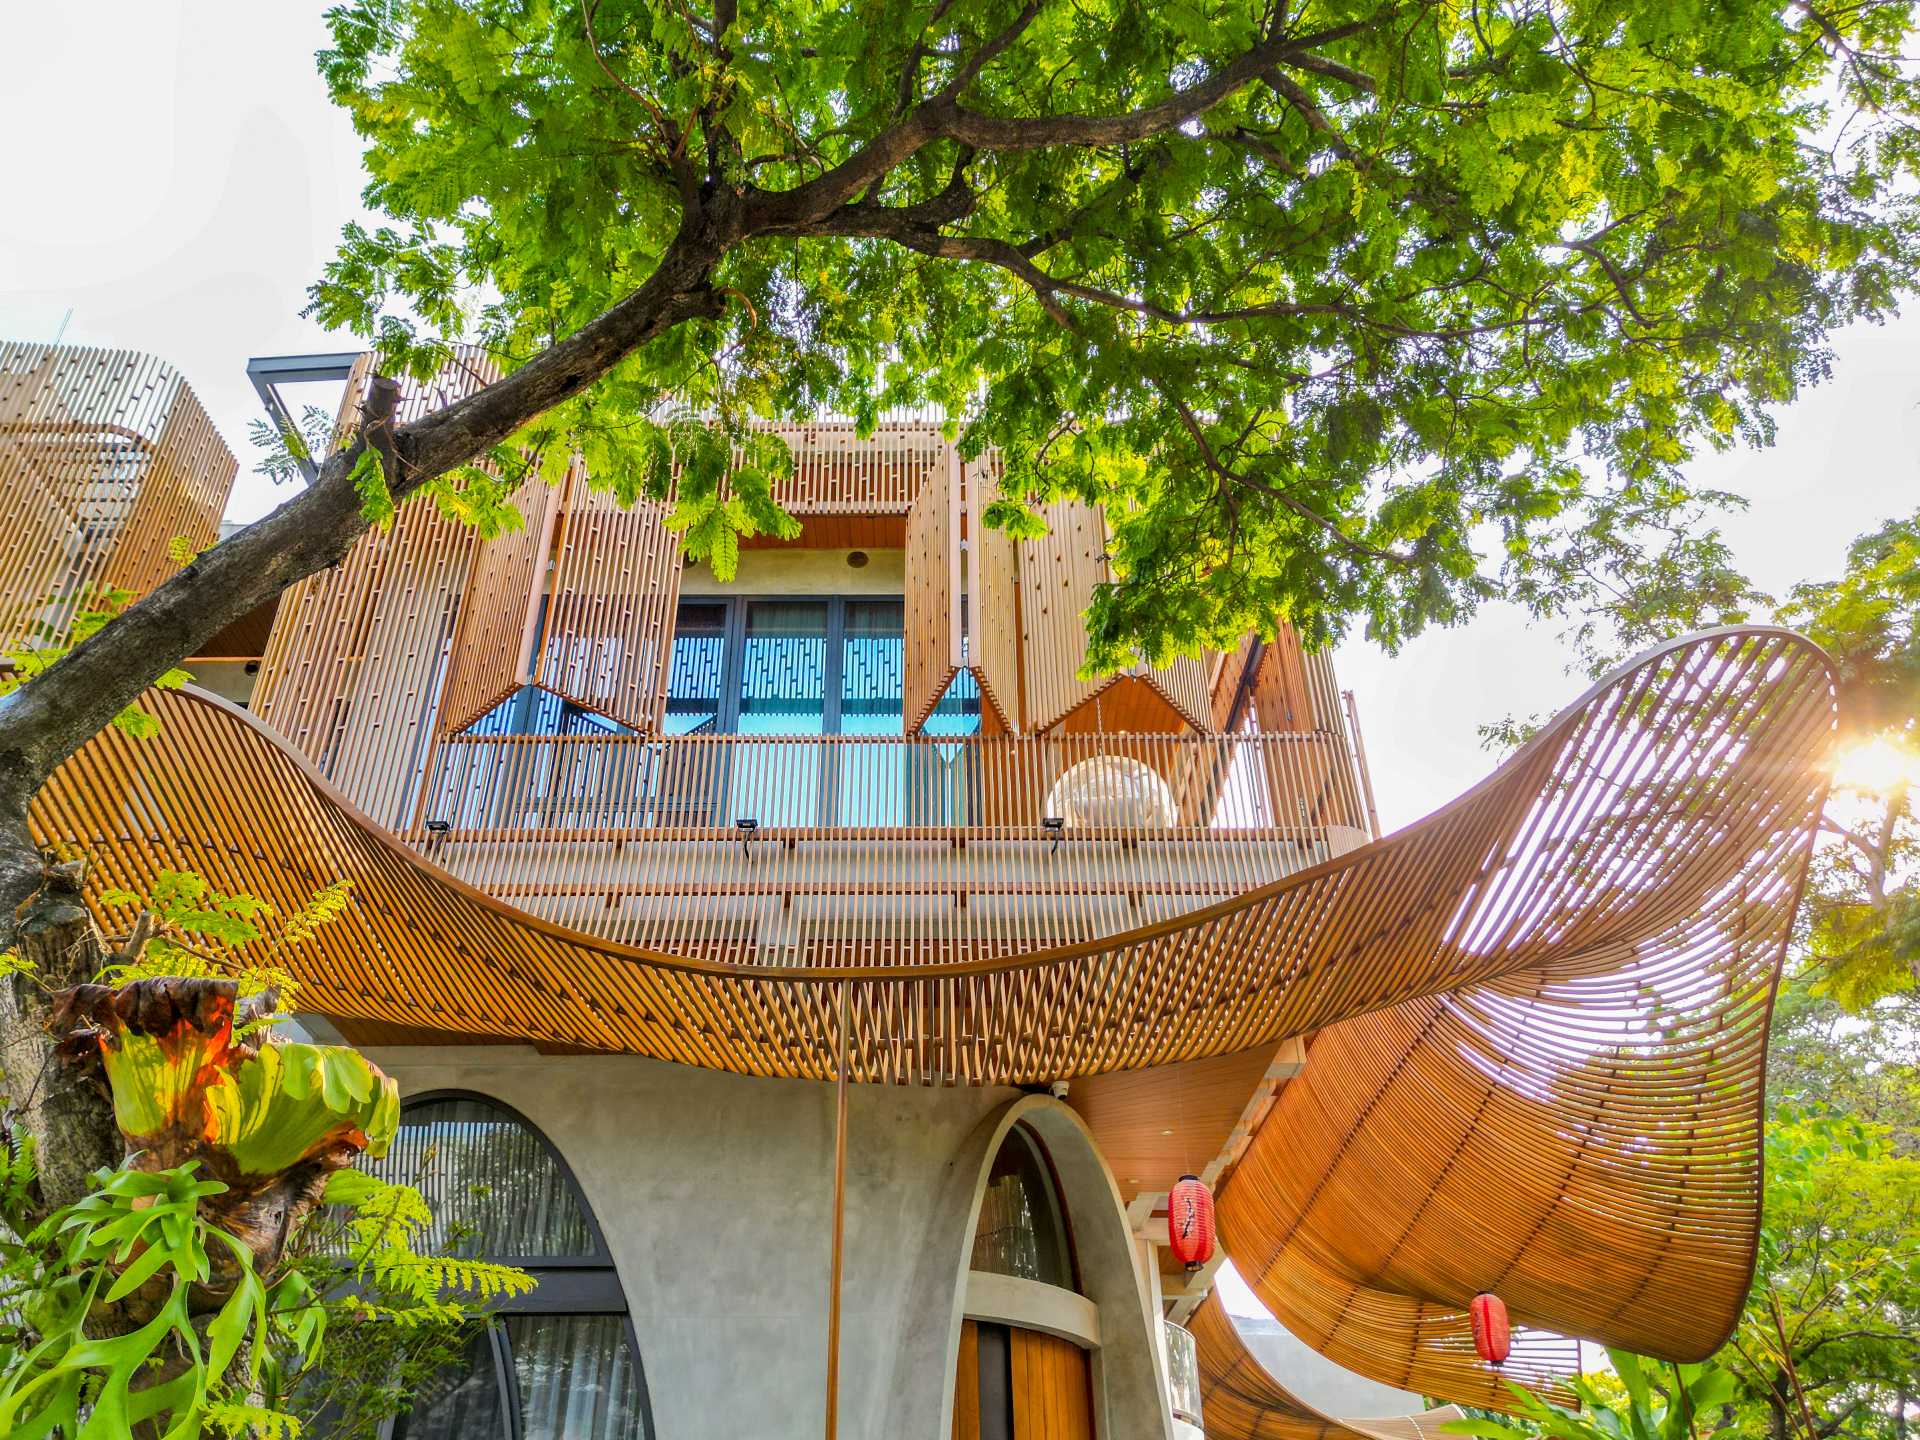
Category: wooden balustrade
[785,849]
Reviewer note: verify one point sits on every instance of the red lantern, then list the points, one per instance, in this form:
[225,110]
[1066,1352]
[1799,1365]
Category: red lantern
[1492,1334]
[1190,1222]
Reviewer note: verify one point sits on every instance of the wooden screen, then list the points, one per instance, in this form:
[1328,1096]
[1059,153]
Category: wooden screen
[609,625]
[1011,1383]
[993,608]
[492,655]
[105,457]
[933,598]
[354,668]
[1057,574]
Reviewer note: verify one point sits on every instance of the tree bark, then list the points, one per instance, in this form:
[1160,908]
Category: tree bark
[66,1111]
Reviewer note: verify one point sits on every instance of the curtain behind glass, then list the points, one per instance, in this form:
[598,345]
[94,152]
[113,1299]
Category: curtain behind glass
[492,1185]
[460,1402]
[576,1377]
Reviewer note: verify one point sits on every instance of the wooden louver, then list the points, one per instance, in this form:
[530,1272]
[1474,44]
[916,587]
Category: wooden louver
[106,457]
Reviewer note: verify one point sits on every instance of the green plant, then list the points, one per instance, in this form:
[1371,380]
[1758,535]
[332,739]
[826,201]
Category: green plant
[216,1279]
[1642,1400]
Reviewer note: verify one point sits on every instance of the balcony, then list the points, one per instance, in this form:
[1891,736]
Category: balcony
[809,850]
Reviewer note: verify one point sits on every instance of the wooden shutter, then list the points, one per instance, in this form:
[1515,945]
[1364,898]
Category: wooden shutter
[491,657]
[608,634]
[1052,1388]
[933,599]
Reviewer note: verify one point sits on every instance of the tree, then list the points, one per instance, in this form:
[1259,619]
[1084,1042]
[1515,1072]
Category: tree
[1304,295]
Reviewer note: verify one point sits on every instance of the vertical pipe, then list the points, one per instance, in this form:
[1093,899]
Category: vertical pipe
[839,1221]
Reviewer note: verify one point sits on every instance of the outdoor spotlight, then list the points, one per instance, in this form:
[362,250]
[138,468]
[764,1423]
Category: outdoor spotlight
[746,825]
[1054,825]
[437,834]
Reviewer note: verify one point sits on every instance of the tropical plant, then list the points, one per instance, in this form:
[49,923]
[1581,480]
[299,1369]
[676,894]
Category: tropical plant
[214,1278]
[1640,1399]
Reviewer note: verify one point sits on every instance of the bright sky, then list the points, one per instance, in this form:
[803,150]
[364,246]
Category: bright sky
[178,178]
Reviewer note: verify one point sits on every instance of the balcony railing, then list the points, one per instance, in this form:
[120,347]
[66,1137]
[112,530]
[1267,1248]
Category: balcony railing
[798,850]
[1183,1374]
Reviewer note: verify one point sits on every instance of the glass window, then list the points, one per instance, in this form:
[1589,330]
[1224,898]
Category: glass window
[492,1182]
[499,1192]
[1023,1229]
[697,667]
[783,668]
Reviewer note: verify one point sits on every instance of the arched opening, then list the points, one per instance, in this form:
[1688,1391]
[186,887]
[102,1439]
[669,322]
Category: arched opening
[562,1363]
[1024,1371]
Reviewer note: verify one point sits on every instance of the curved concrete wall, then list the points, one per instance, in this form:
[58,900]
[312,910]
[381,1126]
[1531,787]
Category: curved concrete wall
[715,1193]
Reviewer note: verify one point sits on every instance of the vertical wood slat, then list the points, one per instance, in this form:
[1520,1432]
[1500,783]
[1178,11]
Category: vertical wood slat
[608,635]
[993,596]
[1058,573]
[105,457]
[353,669]
[933,592]
[493,656]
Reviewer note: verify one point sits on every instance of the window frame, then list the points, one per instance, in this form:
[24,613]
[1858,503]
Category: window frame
[733,654]
[563,1284]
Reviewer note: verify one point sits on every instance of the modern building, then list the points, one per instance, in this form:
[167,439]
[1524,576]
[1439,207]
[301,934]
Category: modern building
[820,984]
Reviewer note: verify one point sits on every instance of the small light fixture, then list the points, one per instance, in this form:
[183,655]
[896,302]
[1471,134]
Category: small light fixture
[856,559]
[437,834]
[747,826]
[1054,825]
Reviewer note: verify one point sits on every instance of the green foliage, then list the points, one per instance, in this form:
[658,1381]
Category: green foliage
[352,1289]
[1641,1400]
[85,618]
[104,1322]
[282,450]
[1420,304]
[134,1233]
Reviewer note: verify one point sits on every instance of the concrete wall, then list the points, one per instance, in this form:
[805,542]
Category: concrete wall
[715,1194]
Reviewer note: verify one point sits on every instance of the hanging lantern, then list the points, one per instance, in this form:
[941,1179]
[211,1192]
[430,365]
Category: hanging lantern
[1190,1222]
[1492,1334]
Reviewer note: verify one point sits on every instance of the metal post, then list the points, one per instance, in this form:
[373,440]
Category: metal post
[839,1223]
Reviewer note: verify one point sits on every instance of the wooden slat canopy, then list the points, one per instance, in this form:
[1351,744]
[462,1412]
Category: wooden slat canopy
[105,457]
[1681,781]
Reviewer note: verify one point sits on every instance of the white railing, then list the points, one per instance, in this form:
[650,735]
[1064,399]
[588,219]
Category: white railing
[1183,1373]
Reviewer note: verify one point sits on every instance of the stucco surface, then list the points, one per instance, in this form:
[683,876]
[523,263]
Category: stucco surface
[715,1194]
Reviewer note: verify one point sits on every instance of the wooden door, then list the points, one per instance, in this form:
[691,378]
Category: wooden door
[1014,1384]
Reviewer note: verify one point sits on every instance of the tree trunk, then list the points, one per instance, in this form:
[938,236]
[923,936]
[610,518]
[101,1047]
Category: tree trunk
[65,1110]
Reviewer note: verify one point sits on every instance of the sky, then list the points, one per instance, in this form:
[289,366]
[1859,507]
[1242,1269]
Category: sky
[191,178]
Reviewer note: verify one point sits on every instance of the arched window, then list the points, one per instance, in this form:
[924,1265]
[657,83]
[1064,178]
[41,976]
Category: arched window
[1023,1227]
[562,1364]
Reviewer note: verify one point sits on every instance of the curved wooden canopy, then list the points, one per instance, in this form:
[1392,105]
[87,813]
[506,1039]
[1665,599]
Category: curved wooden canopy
[1672,790]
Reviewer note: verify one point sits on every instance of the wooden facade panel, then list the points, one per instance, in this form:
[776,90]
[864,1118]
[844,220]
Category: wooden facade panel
[608,633]
[1057,575]
[106,457]
[933,598]
[354,667]
[493,655]
[993,602]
